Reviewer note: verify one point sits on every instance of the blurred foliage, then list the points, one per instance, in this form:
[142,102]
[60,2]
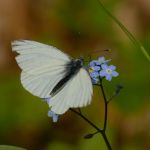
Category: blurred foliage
[6,147]
[79,28]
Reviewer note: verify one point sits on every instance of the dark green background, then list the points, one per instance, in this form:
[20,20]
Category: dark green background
[79,28]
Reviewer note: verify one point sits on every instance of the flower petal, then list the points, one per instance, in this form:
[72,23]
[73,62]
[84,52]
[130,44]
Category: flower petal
[95,80]
[115,74]
[94,74]
[104,66]
[101,59]
[112,67]
[96,68]
[55,118]
[98,63]
[93,63]
[102,73]
[108,77]
[50,113]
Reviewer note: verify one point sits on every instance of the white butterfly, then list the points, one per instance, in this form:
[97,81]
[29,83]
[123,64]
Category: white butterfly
[49,73]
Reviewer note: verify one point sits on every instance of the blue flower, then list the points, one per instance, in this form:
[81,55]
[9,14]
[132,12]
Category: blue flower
[95,80]
[93,63]
[108,71]
[94,73]
[101,60]
[53,116]
[98,62]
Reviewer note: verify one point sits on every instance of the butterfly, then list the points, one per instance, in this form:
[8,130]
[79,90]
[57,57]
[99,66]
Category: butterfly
[47,72]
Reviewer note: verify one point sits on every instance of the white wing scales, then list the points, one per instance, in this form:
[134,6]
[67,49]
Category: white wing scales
[40,85]
[43,66]
[29,47]
[39,64]
[76,93]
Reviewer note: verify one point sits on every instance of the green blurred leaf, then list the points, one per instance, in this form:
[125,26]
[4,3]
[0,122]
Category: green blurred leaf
[136,43]
[60,146]
[7,147]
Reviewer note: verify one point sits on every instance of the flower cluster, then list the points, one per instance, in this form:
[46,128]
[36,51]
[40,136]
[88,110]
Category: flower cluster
[99,69]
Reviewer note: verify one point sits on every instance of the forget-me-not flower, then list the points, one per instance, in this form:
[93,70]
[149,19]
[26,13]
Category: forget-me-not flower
[99,68]
[101,60]
[53,116]
[108,72]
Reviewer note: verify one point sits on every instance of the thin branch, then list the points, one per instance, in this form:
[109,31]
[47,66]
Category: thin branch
[105,116]
[110,99]
[102,131]
[105,103]
[106,140]
[87,120]
[99,130]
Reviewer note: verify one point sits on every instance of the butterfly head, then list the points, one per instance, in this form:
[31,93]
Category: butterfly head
[78,62]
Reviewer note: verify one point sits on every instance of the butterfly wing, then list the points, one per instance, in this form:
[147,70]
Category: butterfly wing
[76,93]
[42,66]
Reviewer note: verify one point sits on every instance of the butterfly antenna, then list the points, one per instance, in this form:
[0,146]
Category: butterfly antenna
[99,51]
[89,55]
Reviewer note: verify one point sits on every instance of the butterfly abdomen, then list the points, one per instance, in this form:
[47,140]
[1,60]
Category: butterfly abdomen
[72,69]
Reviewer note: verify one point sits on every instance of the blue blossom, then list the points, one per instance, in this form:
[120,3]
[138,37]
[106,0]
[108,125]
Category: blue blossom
[95,80]
[101,60]
[93,63]
[53,116]
[94,73]
[99,68]
[108,71]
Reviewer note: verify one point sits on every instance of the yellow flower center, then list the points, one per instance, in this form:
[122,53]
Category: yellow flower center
[91,69]
[109,71]
[101,60]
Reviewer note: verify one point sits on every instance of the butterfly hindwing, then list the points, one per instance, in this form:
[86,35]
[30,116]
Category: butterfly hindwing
[76,93]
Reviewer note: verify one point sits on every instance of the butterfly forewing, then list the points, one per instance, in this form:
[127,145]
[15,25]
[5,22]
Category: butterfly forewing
[76,93]
[42,66]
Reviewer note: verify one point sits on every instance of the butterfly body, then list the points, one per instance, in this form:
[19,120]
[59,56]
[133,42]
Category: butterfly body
[71,69]
[49,72]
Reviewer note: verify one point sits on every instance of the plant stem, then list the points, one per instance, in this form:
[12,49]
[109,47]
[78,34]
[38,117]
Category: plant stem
[102,131]
[106,108]
[87,120]
[106,140]
[105,117]
[94,126]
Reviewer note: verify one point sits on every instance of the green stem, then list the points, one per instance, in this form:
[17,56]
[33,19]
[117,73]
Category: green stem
[136,43]
[106,140]
[106,106]
[99,130]
[87,120]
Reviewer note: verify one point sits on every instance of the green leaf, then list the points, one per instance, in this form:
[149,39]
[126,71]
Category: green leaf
[136,43]
[7,147]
